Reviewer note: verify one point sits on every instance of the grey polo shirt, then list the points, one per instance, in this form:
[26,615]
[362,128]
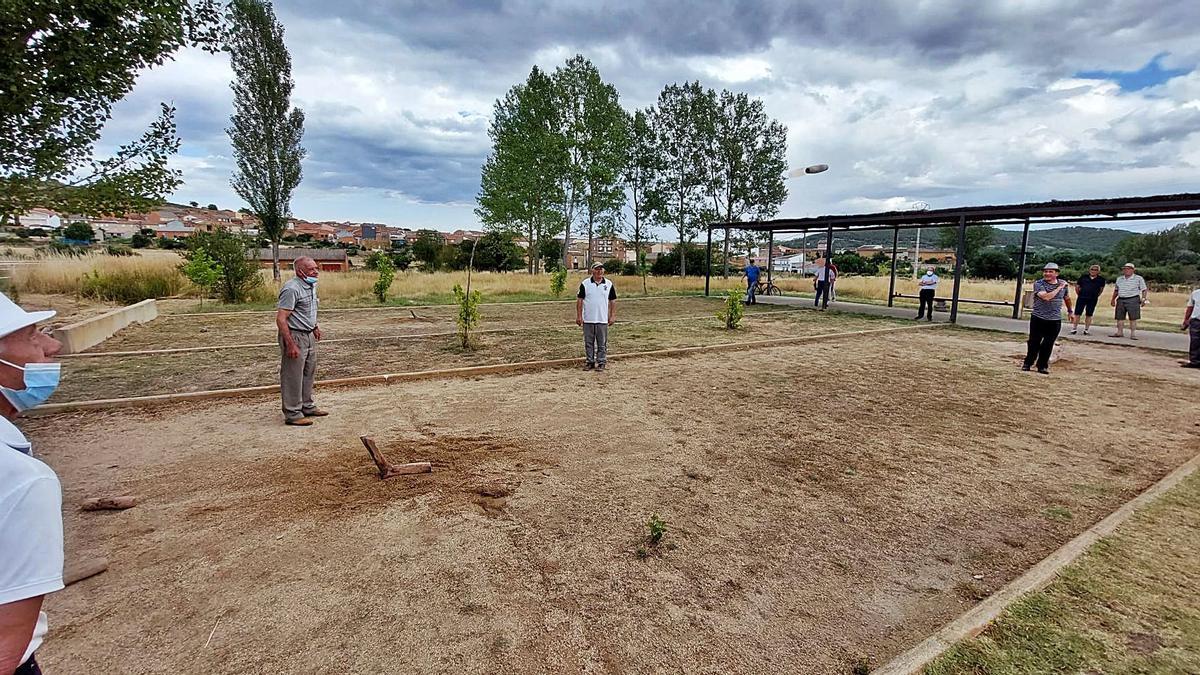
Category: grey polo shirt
[301,299]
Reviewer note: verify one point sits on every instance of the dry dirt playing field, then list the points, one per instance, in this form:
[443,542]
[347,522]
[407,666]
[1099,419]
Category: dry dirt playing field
[829,504]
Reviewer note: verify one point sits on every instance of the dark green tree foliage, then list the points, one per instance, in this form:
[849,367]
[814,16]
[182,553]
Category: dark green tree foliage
[684,123]
[265,129]
[551,253]
[852,263]
[62,67]
[977,238]
[643,166]
[668,263]
[520,188]
[746,176]
[79,231]
[595,135]
[496,252]
[992,263]
[234,255]
[428,249]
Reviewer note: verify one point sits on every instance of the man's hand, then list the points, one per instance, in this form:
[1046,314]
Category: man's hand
[1113,302]
[611,320]
[317,333]
[293,352]
[1184,325]
[579,321]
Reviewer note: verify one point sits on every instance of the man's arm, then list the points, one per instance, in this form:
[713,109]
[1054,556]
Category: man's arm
[1187,315]
[17,621]
[1145,291]
[281,322]
[1067,302]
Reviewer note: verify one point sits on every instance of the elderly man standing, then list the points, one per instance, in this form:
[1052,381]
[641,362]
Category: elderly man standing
[1191,323]
[1049,295]
[296,319]
[1129,295]
[31,528]
[595,310]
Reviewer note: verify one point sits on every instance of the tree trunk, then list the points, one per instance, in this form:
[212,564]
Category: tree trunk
[682,227]
[275,259]
[531,252]
[591,237]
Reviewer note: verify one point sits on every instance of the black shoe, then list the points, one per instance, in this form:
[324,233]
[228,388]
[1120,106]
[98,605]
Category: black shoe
[1189,365]
[919,317]
[1025,366]
[599,366]
[1043,371]
[589,366]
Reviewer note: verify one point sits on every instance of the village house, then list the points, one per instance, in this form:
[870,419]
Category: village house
[327,259]
[607,248]
[174,229]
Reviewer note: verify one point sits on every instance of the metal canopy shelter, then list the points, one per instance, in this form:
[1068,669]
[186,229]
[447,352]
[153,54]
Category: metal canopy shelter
[1053,212]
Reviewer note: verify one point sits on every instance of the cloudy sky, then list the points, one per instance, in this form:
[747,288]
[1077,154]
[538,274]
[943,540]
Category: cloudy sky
[938,101]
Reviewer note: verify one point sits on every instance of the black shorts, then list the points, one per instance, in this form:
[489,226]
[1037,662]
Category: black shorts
[1085,306]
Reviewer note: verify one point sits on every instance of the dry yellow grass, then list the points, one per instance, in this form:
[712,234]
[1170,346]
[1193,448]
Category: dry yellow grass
[63,275]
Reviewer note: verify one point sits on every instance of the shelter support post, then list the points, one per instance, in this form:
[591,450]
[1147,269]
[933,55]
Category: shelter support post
[1021,271]
[959,254]
[892,283]
[707,261]
[725,256]
[770,255]
[828,250]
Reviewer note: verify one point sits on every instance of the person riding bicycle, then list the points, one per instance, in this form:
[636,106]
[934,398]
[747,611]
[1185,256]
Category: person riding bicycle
[752,275]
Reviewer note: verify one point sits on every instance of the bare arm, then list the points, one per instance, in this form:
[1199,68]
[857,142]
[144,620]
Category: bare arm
[1187,316]
[17,621]
[579,311]
[612,311]
[281,322]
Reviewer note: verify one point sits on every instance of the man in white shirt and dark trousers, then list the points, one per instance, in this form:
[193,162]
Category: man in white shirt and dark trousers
[595,310]
[1191,323]
[928,285]
[31,529]
[822,283]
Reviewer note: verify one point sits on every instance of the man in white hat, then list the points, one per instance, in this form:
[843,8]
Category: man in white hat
[1129,296]
[31,530]
[595,311]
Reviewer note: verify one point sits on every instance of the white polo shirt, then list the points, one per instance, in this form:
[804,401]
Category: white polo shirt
[31,529]
[596,297]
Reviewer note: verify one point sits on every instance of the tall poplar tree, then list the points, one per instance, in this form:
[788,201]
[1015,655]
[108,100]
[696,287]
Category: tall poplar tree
[643,164]
[749,162]
[520,187]
[683,121]
[593,128]
[266,129]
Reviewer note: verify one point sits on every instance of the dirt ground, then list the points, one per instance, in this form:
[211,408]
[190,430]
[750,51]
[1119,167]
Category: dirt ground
[542,331]
[828,505]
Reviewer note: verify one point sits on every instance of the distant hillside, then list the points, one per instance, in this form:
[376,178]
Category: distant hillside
[1092,239]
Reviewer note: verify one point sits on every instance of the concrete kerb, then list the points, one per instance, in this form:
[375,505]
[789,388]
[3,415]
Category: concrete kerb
[975,620]
[406,336]
[466,371]
[90,332]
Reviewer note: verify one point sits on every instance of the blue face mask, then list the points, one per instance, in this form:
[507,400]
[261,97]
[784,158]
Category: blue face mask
[41,379]
[310,280]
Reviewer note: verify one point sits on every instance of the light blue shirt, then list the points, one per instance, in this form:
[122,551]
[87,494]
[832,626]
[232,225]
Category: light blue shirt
[928,286]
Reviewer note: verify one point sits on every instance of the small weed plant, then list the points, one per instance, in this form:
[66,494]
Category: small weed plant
[732,312]
[387,272]
[558,282]
[467,317]
[658,529]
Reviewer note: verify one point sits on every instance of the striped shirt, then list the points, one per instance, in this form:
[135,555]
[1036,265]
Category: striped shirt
[1050,310]
[1130,286]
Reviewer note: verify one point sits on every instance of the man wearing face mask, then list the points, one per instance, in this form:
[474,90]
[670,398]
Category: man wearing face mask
[296,319]
[31,530]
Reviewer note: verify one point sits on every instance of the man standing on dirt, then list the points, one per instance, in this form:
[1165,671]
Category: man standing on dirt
[1191,323]
[1129,295]
[31,528]
[595,310]
[752,275]
[822,282]
[928,289]
[1087,292]
[296,320]
[1049,295]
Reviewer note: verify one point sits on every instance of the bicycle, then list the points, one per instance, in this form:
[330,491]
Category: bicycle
[767,288]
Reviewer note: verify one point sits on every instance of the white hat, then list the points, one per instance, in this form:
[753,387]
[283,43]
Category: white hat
[1127,265]
[13,318]
[1051,266]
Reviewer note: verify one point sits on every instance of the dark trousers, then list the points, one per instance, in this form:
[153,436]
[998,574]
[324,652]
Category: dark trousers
[926,303]
[1042,334]
[30,667]
[1194,350]
[822,292]
[751,289]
